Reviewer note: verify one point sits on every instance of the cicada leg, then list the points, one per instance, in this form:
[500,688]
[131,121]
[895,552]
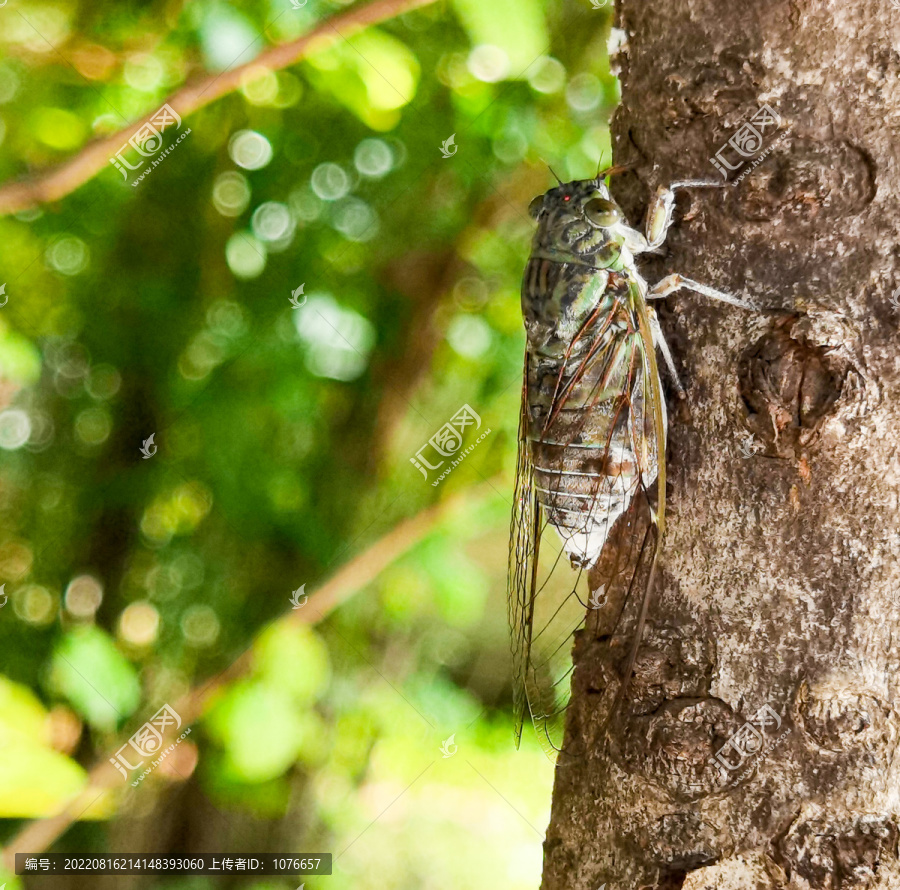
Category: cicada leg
[660,342]
[668,285]
[674,282]
[660,210]
[658,223]
[659,216]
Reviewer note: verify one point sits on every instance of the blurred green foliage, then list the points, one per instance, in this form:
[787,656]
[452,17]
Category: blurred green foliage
[284,436]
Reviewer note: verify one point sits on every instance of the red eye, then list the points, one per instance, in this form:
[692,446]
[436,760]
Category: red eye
[567,198]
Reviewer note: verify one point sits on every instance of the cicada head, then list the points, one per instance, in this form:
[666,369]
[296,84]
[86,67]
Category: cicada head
[578,221]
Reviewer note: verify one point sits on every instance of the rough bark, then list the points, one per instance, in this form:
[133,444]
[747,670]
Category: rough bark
[779,569]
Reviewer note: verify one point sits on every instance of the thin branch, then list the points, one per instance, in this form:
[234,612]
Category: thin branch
[36,836]
[64,179]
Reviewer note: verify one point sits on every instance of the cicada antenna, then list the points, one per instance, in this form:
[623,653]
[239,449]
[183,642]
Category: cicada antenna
[552,171]
[613,171]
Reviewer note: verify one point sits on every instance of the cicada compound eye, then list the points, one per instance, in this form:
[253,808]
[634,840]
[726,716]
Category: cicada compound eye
[534,208]
[602,213]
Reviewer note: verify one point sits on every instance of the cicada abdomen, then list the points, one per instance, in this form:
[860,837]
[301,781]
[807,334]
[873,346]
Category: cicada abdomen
[586,419]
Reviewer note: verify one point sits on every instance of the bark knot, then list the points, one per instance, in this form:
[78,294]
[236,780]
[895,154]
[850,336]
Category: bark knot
[790,384]
[833,853]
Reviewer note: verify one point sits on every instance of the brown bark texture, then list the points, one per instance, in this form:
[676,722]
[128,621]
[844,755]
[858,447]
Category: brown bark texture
[757,748]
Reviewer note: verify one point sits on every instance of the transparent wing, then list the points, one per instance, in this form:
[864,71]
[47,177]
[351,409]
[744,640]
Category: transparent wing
[548,600]
[628,566]
[525,539]
[544,609]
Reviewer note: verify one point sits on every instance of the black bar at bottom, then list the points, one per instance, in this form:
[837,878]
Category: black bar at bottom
[319,864]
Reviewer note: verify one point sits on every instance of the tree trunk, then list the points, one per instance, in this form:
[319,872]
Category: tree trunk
[756,746]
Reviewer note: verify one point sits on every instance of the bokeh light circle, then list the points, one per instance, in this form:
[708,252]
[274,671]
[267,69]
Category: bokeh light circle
[231,193]
[15,428]
[250,150]
[330,182]
[373,158]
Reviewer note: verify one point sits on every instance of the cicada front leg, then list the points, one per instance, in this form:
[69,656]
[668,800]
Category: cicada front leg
[659,216]
[656,228]
[662,206]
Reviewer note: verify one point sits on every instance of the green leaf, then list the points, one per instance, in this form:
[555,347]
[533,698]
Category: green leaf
[58,128]
[20,360]
[372,74]
[95,678]
[35,780]
[21,714]
[518,27]
[259,728]
[294,659]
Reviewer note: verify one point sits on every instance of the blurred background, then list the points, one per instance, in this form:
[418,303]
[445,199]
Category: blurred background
[382,183]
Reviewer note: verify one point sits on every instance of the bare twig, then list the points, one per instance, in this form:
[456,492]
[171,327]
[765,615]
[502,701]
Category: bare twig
[35,837]
[64,179]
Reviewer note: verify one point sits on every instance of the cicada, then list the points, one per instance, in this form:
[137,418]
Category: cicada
[592,435]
